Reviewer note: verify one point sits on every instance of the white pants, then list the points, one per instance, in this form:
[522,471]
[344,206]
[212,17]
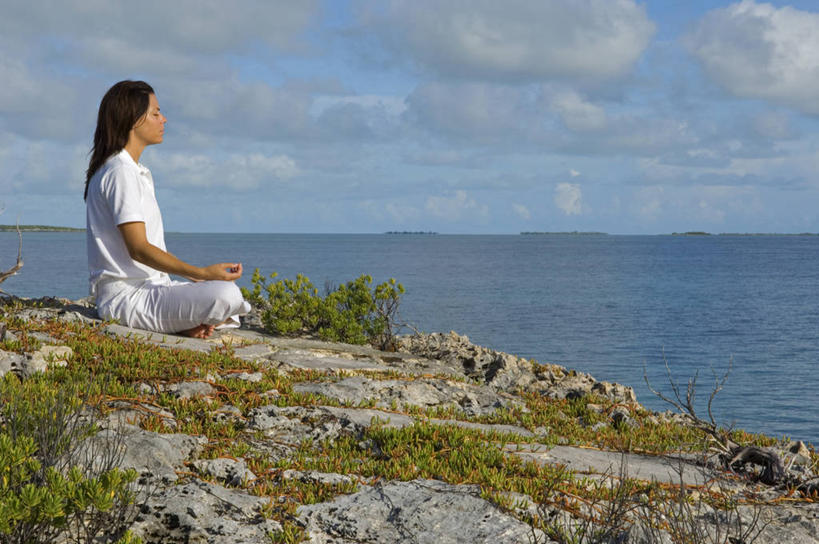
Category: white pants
[171,306]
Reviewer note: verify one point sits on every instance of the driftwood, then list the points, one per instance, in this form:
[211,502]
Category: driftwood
[773,471]
[732,454]
[14,269]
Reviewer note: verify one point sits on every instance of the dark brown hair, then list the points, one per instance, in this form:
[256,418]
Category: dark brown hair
[120,109]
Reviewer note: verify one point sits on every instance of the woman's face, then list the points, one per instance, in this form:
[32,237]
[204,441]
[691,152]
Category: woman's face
[150,128]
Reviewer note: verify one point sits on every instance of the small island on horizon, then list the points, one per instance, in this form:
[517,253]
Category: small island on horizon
[425,232]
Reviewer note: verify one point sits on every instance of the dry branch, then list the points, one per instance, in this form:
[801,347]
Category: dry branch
[733,455]
[19,264]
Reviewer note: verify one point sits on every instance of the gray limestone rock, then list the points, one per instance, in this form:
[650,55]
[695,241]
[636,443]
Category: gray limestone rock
[231,472]
[415,512]
[252,377]
[483,427]
[130,413]
[40,360]
[11,362]
[156,455]
[641,467]
[204,513]
[505,372]
[291,425]
[188,390]
[425,393]
[325,360]
[313,477]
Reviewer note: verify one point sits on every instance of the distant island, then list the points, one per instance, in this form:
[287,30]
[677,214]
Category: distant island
[430,233]
[38,228]
[572,233]
[702,233]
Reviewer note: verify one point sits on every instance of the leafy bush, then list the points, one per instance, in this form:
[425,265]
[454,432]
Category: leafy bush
[48,490]
[355,312]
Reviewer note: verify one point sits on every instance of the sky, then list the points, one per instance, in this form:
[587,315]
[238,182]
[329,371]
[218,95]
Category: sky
[472,116]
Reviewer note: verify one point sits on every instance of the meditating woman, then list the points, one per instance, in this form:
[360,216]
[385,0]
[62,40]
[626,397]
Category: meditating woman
[127,260]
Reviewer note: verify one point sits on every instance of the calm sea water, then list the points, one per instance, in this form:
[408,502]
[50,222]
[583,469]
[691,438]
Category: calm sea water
[607,305]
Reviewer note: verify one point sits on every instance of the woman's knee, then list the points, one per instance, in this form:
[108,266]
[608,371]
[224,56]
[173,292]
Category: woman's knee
[229,294]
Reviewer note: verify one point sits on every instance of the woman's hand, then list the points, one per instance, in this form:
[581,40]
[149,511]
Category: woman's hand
[222,271]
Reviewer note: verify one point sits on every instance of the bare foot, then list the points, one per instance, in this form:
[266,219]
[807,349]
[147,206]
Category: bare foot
[200,331]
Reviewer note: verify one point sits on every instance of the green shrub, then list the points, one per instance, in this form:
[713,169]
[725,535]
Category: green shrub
[48,491]
[355,312]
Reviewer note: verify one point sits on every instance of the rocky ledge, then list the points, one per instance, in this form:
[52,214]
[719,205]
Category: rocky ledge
[440,442]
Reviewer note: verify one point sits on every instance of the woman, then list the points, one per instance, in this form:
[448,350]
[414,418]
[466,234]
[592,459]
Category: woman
[127,259]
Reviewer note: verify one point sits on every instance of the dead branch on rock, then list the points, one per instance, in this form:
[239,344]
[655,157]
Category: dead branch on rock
[14,269]
[709,515]
[733,455]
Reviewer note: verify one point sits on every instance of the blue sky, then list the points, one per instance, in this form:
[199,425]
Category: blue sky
[453,116]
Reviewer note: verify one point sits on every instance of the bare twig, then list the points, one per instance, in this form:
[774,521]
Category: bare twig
[732,454]
[14,269]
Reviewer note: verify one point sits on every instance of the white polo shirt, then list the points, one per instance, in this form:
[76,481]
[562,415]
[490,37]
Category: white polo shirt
[121,191]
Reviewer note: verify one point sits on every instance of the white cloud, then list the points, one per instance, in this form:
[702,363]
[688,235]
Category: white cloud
[578,114]
[394,212]
[392,105]
[516,39]
[453,208]
[759,51]
[521,211]
[472,111]
[234,171]
[159,27]
[649,202]
[574,173]
[569,198]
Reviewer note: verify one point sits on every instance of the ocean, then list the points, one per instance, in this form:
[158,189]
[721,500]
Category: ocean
[613,306]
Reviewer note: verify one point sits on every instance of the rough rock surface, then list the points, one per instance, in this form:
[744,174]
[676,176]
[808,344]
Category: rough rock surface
[157,456]
[505,372]
[202,512]
[415,512]
[424,393]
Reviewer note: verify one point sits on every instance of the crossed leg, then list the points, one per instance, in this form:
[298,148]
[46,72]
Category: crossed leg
[190,309]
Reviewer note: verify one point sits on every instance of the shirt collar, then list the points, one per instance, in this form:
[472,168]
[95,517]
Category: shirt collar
[125,156]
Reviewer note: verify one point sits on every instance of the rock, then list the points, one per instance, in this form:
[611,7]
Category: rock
[227,413]
[45,356]
[157,456]
[253,352]
[505,372]
[499,370]
[419,511]
[484,427]
[11,362]
[2,332]
[203,512]
[801,453]
[131,413]
[290,425]
[188,390]
[424,393]
[231,472]
[252,377]
[642,467]
[621,417]
[322,360]
[315,477]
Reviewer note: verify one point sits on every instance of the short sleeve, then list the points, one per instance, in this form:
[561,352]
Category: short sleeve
[122,191]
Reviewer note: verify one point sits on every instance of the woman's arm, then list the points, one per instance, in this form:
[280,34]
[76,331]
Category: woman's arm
[148,254]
